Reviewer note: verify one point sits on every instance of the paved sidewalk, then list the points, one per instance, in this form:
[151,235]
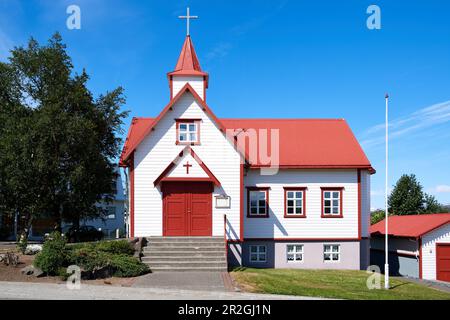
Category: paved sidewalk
[201,281]
[46,291]
[439,285]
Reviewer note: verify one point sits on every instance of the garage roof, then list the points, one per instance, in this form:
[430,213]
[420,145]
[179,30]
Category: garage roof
[411,226]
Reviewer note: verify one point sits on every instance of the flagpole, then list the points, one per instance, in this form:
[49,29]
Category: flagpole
[386,266]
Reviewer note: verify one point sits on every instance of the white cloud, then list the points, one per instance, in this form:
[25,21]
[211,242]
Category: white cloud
[424,118]
[442,189]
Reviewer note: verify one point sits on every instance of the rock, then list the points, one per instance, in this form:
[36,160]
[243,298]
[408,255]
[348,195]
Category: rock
[33,249]
[32,271]
[100,273]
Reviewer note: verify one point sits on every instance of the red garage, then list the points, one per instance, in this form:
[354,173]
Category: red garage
[419,245]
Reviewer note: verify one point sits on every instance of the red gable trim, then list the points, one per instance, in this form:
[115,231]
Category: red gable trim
[187,88]
[211,177]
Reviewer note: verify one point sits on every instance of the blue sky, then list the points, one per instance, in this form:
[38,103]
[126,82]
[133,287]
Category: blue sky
[302,59]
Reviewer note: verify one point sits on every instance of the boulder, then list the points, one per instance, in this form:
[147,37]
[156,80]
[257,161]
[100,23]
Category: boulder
[33,249]
[32,271]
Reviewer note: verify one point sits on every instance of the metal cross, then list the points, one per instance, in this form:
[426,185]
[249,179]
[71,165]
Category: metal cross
[188,17]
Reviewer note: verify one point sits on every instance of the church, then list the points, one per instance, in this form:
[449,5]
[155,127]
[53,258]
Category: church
[269,193]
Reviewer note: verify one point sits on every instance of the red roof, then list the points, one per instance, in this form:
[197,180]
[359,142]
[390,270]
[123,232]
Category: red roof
[411,226]
[304,143]
[188,63]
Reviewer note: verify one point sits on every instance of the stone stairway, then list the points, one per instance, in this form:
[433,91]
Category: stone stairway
[185,254]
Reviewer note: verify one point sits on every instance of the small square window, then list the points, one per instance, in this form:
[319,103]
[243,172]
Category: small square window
[332,202]
[294,253]
[258,253]
[257,203]
[188,132]
[331,253]
[295,200]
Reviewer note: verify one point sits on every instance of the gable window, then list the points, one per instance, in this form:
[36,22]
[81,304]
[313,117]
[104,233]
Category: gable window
[258,253]
[188,131]
[294,253]
[331,252]
[258,202]
[295,202]
[332,202]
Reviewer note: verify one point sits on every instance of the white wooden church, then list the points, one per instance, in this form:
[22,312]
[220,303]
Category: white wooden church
[205,193]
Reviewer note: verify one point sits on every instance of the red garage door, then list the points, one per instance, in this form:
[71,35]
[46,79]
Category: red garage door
[443,262]
[187,209]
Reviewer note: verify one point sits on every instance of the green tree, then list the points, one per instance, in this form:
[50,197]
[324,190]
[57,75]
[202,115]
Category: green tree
[431,205]
[376,216]
[408,198]
[59,143]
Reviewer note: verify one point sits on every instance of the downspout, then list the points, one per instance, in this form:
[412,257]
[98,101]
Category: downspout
[127,203]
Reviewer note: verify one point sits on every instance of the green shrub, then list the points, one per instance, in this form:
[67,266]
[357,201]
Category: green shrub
[113,247]
[126,266]
[116,247]
[53,256]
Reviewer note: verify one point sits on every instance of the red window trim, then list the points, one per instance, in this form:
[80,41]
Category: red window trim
[181,121]
[294,216]
[266,190]
[331,216]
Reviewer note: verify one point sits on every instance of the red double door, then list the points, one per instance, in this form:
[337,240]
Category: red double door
[187,208]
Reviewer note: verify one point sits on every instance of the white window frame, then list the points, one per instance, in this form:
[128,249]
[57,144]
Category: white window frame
[258,206]
[332,206]
[295,199]
[188,131]
[332,253]
[258,253]
[295,253]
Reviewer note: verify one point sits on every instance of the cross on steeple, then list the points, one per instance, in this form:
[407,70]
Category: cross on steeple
[188,17]
[187,166]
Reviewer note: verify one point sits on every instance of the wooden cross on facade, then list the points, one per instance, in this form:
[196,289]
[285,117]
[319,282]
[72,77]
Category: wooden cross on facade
[188,18]
[187,166]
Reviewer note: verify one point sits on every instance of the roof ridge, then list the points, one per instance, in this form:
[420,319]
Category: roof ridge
[287,119]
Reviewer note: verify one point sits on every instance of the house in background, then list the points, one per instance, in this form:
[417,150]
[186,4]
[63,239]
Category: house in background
[114,222]
[419,246]
[115,219]
[189,177]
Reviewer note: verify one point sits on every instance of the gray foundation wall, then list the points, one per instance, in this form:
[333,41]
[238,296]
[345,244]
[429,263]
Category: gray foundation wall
[350,257]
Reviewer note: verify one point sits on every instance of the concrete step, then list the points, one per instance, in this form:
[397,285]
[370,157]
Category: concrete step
[185,264]
[185,254]
[183,269]
[153,258]
[183,244]
[184,248]
[185,239]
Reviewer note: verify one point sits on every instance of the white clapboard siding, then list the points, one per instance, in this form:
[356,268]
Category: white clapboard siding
[365,203]
[440,235]
[313,226]
[196,82]
[158,149]
[180,171]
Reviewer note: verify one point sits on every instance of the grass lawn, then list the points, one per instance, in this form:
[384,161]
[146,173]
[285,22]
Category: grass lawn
[340,284]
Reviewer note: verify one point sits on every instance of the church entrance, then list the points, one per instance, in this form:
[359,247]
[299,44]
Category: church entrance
[187,208]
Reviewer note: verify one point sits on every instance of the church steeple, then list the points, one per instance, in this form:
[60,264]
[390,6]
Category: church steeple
[188,63]
[188,68]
